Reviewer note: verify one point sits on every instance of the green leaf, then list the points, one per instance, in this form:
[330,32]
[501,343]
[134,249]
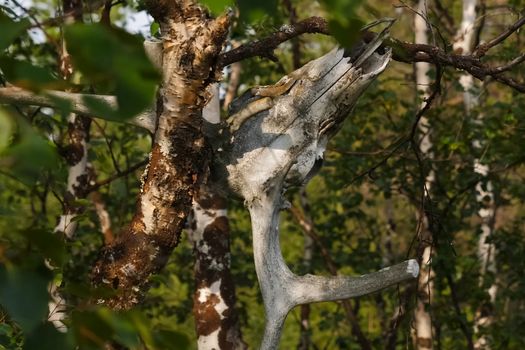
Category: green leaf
[49,244]
[11,30]
[28,76]
[29,156]
[91,331]
[217,7]
[164,339]
[345,25]
[23,293]
[255,10]
[123,326]
[85,290]
[116,59]
[346,32]
[46,337]
[6,130]
[100,325]
[154,28]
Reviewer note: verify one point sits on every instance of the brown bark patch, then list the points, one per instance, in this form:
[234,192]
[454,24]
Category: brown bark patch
[207,318]
[424,343]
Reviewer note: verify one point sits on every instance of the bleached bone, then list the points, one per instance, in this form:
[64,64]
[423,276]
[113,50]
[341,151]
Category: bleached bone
[276,144]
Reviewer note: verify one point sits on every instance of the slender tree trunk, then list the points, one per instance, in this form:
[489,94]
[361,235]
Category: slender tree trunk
[308,250]
[484,192]
[103,217]
[179,157]
[75,153]
[422,316]
[216,320]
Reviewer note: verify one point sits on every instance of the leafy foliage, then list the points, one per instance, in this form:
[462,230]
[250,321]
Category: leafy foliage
[115,60]
[364,204]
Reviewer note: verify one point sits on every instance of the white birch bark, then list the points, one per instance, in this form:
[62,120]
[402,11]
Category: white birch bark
[77,157]
[214,311]
[422,317]
[484,192]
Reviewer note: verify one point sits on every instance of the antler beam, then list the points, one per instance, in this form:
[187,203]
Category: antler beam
[277,138]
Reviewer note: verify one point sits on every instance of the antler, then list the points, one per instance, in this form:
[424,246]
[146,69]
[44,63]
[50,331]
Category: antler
[277,134]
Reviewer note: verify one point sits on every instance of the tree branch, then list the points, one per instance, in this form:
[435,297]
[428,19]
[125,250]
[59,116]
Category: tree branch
[402,51]
[264,47]
[115,176]
[482,49]
[77,104]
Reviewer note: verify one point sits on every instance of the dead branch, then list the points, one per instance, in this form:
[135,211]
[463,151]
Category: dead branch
[264,47]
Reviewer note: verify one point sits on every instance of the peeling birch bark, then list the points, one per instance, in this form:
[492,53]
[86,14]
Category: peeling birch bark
[422,317]
[276,147]
[216,320]
[191,41]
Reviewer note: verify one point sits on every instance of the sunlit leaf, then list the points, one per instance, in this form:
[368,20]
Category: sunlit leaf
[254,10]
[10,30]
[154,28]
[6,130]
[217,6]
[114,58]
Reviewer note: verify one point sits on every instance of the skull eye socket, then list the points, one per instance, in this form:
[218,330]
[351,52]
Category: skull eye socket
[381,50]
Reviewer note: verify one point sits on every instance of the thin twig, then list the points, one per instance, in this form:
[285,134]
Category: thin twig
[117,175]
[482,49]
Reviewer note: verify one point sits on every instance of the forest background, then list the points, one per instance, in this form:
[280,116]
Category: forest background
[380,198]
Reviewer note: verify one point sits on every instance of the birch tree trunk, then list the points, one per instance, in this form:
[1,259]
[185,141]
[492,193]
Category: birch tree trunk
[75,153]
[484,192]
[216,320]
[179,158]
[422,316]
